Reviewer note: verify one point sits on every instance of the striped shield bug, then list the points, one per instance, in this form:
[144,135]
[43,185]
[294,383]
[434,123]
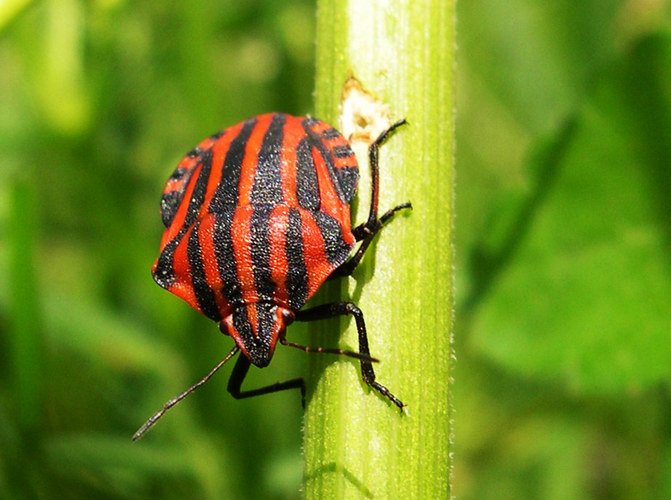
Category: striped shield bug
[257,217]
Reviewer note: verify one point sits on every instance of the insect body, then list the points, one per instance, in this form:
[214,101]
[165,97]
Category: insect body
[257,218]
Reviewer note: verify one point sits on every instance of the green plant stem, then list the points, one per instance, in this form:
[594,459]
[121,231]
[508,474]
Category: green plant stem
[357,444]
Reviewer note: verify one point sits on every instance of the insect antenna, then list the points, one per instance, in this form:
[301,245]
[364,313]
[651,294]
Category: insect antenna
[326,350]
[169,404]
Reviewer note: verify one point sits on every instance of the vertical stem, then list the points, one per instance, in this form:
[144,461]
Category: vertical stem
[356,443]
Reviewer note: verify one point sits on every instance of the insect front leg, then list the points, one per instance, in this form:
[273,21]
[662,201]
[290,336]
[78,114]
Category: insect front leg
[366,232]
[348,308]
[373,161]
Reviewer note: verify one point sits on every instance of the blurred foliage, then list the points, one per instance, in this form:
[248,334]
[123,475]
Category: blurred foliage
[563,235]
[563,238]
[98,102]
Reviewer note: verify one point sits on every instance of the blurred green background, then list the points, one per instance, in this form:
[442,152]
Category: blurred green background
[563,239]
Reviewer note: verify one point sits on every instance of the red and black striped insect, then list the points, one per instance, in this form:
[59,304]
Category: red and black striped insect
[257,218]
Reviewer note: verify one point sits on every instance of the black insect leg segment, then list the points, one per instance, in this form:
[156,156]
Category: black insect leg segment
[366,232]
[341,309]
[240,372]
[373,160]
[242,366]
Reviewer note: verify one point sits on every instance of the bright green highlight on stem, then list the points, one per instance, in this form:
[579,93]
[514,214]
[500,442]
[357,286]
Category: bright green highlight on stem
[357,444]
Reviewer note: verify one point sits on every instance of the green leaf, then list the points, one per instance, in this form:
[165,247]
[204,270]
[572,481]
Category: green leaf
[582,298]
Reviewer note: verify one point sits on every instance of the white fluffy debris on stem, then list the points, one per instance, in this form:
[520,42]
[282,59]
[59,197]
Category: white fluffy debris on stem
[362,116]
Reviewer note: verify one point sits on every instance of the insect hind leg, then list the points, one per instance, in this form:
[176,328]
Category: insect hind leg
[240,372]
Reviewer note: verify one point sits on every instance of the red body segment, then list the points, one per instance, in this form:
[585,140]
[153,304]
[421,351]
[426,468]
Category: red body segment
[257,218]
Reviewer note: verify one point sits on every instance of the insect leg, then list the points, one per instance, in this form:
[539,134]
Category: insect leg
[373,160]
[348,308]
[347,268]
[240,372]
[366,232]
